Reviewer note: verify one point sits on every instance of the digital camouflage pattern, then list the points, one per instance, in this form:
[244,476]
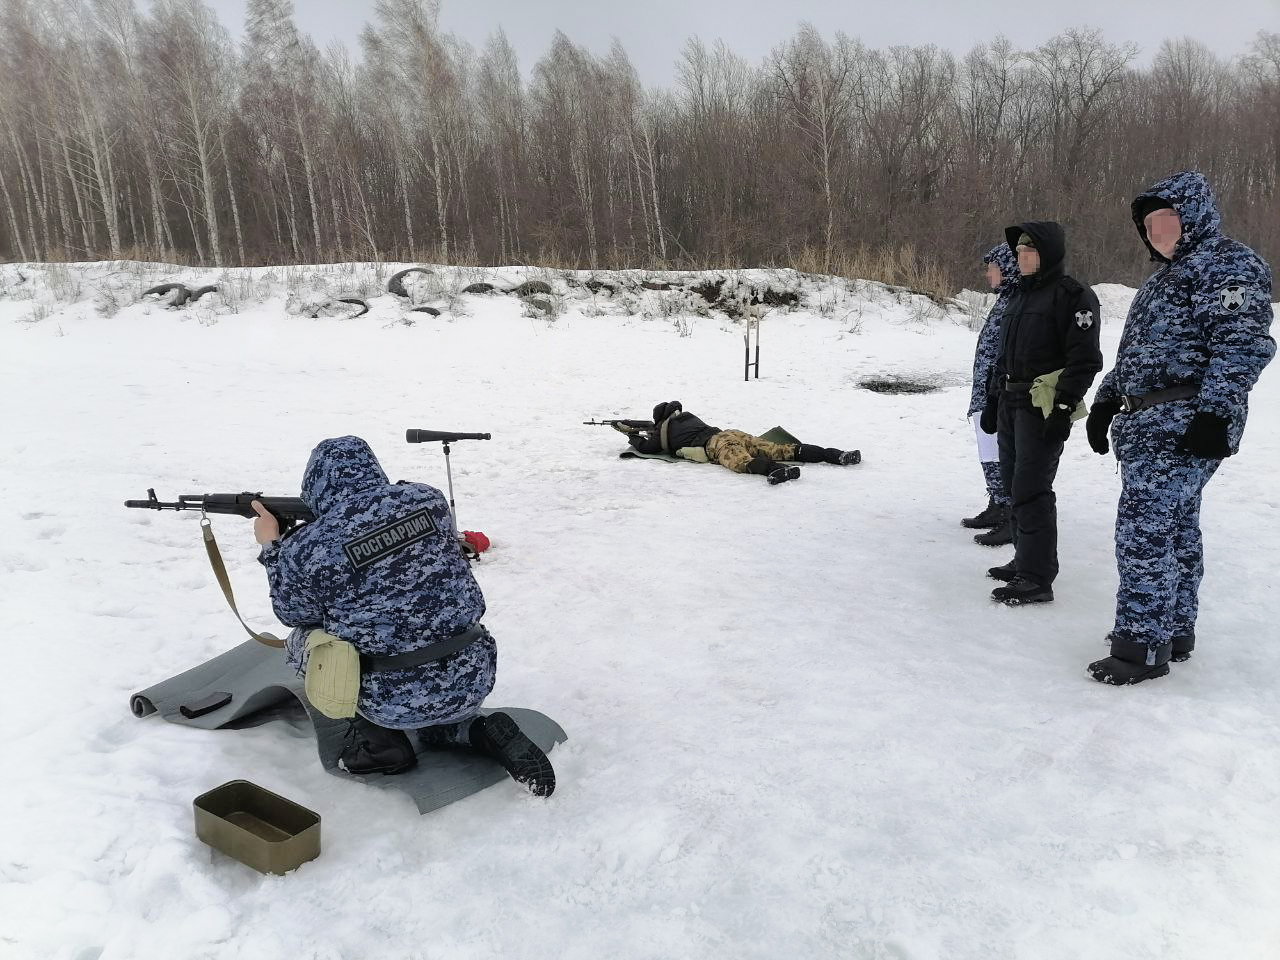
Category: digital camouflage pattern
[1158,547]
[414,592]
[986,352]
[1202,318]
[988,349]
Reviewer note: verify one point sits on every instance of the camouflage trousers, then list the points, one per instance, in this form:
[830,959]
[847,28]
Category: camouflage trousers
[735,449]
[1158,548]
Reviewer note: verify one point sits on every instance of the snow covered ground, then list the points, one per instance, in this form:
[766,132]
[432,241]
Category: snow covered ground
[799,726]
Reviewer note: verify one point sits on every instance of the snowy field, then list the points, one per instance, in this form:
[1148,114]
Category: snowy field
[798,725]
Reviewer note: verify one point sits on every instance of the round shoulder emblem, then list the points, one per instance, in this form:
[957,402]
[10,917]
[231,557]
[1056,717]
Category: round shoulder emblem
[1084,319]
[1234,298]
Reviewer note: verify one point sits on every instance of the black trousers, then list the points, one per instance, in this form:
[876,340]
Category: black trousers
[1028,465]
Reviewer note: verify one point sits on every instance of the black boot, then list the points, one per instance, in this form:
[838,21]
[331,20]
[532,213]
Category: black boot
[812,453]
[781,474]
[499,737]
[1182,647]
[1131,662]
[1001,535]
[1006,572]
[1022,590]
[370,748]
[992,516]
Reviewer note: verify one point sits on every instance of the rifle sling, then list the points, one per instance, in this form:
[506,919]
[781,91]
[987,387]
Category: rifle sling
[220,571]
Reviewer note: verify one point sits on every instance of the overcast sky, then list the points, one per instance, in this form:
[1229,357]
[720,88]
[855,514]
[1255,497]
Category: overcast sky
[654,31]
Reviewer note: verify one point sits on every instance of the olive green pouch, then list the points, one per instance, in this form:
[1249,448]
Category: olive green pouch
[333,675]
[1045,389]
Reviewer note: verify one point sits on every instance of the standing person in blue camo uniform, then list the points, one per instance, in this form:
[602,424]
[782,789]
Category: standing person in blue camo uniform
[1048,358]
[1002,276]
[1194,343]
[380,569]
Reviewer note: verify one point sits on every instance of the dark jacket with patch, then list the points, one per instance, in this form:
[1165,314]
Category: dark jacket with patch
[380,568]
[682,430]
[1051,321]
[1202,319]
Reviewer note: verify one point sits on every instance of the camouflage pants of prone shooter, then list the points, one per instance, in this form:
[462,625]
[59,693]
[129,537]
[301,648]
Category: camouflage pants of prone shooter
[735,449]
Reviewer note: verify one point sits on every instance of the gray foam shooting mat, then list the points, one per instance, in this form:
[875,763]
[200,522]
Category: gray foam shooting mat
[260,684]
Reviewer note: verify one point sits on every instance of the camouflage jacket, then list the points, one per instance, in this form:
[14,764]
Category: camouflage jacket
[1203,318]
[984,356]
[379,568]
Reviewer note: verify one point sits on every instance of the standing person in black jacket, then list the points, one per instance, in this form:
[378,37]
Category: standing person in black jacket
[1048,358]
[684,435]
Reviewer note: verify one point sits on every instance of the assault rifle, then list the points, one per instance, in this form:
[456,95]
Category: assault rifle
[289,511]
[622,426]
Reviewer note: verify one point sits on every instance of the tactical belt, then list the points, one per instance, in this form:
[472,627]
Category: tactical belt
[1132,404]
[1012,387]
[437,650]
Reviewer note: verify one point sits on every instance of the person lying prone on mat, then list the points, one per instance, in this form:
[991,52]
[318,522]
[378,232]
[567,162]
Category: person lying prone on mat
[682,434]
[386,618]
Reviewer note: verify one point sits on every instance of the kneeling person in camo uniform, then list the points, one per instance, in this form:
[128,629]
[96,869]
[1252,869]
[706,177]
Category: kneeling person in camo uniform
[380,569]
[682,434]
[1194,343]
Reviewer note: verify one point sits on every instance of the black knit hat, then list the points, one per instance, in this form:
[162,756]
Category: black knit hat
[664,410]
[1144,206]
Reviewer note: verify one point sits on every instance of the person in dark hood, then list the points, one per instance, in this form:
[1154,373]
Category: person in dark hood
[682,434]
[1047,360]
[1001,271]
[1195,341]
[380,569]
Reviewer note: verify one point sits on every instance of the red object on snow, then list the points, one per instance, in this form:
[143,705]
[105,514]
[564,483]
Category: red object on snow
[478,541]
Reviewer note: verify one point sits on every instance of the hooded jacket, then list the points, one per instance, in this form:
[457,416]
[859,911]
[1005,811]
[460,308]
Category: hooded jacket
[379,568]
[1051,321]
[1203,319]
[984,355]
[680,429]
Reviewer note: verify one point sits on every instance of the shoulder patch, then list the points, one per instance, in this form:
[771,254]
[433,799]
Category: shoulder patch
[1235,297]
[1084,319]
[387,539]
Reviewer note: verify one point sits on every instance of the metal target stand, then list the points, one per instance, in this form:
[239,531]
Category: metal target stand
[753,321]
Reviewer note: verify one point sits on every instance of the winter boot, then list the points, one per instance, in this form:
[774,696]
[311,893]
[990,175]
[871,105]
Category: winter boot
[1182,647]
[1006,572]
[993,516]
[781,474]
[812,453]
[1022,590]
[1131,662]
[497,735]
[369,748]
[998,537]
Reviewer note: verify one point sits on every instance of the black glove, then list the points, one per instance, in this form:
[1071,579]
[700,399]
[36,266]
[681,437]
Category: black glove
[1057,426]
[1099,423]
[1206,437]
[988,421]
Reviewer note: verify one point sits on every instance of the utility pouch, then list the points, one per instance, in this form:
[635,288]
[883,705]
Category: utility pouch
[696,454]
[333,675]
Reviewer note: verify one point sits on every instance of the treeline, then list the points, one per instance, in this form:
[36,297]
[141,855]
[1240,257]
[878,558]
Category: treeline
[152,135]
